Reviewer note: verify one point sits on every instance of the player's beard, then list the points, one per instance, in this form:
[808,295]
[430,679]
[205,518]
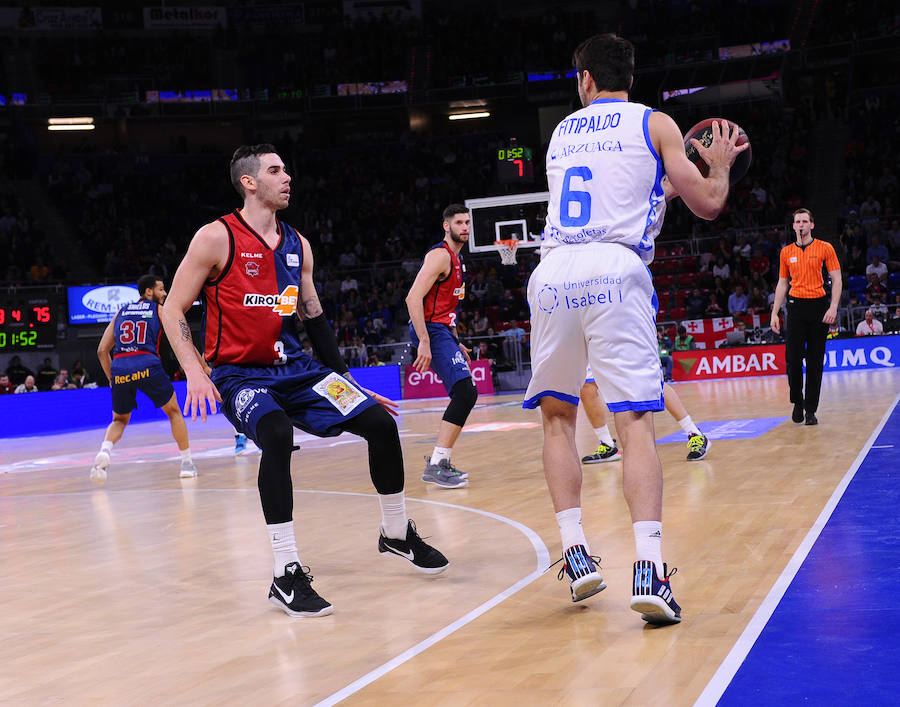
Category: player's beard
[456,238]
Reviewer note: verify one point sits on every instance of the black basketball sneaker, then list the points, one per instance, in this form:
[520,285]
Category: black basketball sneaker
[294,595]
[419,553]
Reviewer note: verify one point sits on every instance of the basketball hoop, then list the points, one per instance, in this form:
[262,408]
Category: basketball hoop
[507,249]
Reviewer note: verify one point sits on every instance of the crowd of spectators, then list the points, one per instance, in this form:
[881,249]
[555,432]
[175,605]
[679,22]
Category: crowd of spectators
[18,378]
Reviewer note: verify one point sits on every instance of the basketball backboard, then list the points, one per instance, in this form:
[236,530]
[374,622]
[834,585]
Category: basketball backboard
[518,216]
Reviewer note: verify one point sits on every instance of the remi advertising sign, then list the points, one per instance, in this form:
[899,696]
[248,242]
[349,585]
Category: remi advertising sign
[429,384]
[729,362]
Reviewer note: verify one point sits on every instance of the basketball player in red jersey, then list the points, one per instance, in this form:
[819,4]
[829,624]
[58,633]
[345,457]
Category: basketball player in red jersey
[255,276]
[432,301]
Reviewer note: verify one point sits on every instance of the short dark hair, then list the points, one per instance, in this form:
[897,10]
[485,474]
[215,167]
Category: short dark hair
[609,59]
[803,211]
[681,331]
[147,282]
[454,209]
[245,160]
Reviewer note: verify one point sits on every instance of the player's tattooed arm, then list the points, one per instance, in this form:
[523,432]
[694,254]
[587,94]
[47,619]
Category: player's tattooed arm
[185,330]
[311,307]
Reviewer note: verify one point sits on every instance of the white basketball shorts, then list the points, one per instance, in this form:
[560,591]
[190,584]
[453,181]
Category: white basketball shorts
[594,303]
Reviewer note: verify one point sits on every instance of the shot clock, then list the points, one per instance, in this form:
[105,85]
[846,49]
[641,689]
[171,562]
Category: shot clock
[514,164]
[27,325]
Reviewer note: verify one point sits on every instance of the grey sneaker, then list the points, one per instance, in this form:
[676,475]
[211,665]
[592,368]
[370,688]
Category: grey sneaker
[443,474]
[188,470]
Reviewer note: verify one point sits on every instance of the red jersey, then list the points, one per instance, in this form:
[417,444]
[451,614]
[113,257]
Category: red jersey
[445,295]
[249,308]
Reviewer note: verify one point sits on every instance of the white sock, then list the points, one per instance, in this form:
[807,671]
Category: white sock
[438,454]
[106,447]
[648,542]
[687,424]
[604,436]
[185,454]
[570,530]
[284,545]
[393,515]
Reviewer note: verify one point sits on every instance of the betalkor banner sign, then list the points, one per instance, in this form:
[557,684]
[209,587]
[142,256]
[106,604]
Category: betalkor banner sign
[429,384]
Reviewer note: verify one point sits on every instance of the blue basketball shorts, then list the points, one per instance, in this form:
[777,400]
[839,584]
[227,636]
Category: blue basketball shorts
[447,359]
[315,398]
[133,373]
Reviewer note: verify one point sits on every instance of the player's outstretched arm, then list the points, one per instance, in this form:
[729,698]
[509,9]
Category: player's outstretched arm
[207,251]
[705,196]
[436,264]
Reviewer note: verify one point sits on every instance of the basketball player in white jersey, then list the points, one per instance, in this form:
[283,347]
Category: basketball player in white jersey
[592,299]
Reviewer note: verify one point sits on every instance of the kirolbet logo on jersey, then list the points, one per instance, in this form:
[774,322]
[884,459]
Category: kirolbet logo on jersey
[284,304]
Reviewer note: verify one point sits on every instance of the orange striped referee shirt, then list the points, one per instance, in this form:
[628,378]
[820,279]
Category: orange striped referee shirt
[804,267]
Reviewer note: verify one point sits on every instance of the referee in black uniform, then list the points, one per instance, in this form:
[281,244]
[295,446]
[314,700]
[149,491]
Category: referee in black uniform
[808,311]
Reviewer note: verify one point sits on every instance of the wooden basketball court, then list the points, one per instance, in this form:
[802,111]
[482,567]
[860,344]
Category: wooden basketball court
[152,589]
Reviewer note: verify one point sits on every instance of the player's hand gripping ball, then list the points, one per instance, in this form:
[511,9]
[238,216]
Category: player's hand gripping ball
[702,132]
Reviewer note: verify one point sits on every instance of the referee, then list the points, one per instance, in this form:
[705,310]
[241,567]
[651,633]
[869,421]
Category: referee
[808,311]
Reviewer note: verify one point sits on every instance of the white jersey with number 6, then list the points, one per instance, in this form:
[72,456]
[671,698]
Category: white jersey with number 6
[604,177]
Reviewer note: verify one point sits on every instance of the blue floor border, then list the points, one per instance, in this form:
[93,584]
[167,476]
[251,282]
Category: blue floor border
[826,634]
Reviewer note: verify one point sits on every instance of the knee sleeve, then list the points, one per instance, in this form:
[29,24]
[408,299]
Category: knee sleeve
[377,427]
[275,437]
[463,396]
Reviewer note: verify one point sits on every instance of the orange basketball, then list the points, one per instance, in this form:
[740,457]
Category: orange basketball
[702,131]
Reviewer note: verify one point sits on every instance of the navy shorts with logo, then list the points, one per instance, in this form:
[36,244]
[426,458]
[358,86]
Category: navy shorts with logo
[447,359]
[315,398]
[143,372]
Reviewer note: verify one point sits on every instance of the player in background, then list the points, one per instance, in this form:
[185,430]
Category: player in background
[129,355]
[592,300]
[432,301]
[607,451]
[256,277]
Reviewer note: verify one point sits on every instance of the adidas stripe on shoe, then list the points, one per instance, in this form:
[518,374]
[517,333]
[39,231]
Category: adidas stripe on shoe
[581,569]
[652,597]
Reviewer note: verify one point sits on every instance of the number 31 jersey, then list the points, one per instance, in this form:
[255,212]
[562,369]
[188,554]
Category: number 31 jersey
[605,179]
[137,329]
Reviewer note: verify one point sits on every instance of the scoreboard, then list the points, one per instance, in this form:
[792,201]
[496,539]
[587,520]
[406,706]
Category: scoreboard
[27,324]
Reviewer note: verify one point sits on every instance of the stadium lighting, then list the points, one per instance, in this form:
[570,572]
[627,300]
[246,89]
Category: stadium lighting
[470,116]
[77,123]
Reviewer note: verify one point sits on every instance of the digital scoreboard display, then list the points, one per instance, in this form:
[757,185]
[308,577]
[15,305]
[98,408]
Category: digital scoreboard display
[27,324]
[514,165]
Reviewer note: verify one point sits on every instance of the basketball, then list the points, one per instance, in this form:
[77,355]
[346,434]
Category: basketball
[702,131]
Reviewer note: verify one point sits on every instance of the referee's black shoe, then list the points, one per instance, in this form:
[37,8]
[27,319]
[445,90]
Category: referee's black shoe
[811,419]
[797,415]
[419,553]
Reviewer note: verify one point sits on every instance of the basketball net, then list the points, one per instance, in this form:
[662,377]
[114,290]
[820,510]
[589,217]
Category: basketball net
[507,249]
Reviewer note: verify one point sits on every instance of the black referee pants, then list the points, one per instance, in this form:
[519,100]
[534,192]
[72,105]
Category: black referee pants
[805,339]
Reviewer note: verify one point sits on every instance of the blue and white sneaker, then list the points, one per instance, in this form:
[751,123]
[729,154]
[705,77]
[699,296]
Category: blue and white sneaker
[240,444]
[581,569]
[652,597]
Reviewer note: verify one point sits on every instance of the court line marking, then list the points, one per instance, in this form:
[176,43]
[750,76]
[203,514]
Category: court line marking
[542,557]
[722,678]
[543,561]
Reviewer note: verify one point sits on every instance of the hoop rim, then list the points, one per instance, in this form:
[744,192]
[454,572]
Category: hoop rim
[511,243]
